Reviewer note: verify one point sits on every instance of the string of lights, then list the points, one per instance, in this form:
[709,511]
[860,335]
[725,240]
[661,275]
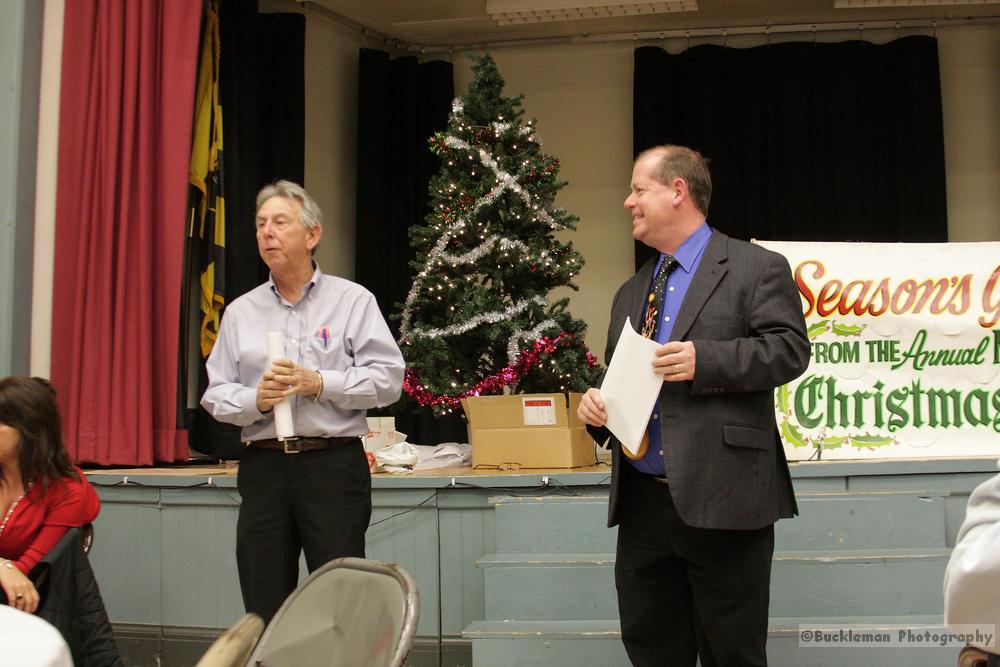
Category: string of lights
[477,318]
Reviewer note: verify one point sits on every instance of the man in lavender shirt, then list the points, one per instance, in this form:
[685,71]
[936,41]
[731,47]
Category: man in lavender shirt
[311,493]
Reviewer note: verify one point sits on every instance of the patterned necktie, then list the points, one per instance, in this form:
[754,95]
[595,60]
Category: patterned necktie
[651,325]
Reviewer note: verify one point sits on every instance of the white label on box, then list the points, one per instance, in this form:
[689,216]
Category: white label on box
[539,411]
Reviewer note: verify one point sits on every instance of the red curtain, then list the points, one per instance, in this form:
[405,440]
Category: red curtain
[128,79]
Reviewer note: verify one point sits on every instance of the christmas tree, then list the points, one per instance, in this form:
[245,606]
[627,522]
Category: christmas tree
[478,319]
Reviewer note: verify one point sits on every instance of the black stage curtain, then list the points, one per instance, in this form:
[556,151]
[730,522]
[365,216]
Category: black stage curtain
[262,91]
[807,142]
[262,84]
[401,104]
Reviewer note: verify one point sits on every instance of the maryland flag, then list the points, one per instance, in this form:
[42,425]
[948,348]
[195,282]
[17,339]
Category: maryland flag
[207,210]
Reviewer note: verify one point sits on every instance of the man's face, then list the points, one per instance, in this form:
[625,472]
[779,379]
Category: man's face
[651,203]
[283,242]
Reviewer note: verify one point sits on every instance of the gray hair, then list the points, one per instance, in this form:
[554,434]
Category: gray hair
[310,216]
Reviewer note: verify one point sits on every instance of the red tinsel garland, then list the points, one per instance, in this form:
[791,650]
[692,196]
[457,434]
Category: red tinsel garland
[493,384]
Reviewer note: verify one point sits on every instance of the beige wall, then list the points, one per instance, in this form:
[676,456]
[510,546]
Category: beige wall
[582,98]
[581,95]
[45,190]
[573,91]
[970,100]
[331,137]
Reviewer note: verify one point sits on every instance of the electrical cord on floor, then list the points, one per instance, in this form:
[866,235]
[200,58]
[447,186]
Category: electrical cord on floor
[551,487]
[208,484]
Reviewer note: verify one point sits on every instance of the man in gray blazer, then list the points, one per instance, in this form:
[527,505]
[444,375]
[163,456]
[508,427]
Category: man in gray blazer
[696,510]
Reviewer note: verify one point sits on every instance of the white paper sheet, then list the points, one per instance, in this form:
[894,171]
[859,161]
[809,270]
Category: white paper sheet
[630,387]
[284,425]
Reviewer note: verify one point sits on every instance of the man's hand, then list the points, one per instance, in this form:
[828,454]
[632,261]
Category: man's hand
[285,379]
[591,410]
[674,361]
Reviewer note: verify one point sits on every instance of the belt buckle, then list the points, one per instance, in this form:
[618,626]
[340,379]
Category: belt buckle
[294,449]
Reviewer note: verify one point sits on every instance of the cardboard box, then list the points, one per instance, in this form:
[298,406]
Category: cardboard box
[527,431]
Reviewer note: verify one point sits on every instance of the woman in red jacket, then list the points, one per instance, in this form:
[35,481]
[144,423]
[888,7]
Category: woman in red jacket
[42,494]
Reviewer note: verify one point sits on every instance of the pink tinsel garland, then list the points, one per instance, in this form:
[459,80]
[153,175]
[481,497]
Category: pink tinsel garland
[493,384]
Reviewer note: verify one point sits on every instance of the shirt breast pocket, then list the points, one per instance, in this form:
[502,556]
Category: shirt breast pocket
[326,353]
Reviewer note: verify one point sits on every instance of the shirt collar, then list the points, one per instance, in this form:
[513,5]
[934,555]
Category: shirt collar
[692,246]
[312,281]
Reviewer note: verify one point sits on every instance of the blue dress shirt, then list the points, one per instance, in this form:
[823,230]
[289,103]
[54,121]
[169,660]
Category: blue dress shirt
[688,258]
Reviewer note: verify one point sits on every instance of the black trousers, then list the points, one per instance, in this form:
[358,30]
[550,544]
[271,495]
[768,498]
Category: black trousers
[318,502]
[684,592]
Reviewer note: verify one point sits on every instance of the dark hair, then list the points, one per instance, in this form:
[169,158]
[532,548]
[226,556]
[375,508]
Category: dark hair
[29,406]
[686,163]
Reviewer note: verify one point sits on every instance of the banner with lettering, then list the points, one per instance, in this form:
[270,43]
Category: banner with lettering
[905,351]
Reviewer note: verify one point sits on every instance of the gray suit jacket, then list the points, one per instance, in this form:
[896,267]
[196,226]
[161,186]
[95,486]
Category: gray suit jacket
[724,461]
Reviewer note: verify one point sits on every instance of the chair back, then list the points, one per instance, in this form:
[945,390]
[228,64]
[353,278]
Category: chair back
[233,646]
[39,575]
[87,537]
[351,611]
[970,656]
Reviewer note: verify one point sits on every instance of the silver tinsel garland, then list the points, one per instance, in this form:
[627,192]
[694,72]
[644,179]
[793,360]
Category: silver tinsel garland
[530,334]
[405,330]
[500,128]
[505,181]
[482,249]
[482,318]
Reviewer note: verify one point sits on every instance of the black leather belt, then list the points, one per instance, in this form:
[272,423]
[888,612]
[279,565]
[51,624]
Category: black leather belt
[296,445]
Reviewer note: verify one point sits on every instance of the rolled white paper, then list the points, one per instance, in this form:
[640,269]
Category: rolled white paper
[284,425]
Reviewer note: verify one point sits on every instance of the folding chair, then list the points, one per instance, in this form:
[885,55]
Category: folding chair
[233,646]
[350,612]
[970,656]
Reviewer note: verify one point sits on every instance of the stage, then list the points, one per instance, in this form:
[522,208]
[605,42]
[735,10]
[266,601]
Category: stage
[484,544]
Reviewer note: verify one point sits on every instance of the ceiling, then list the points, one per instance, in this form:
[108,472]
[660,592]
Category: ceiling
[455,23]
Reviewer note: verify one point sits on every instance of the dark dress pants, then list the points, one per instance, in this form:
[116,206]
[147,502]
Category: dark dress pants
[684,592]
[318,502]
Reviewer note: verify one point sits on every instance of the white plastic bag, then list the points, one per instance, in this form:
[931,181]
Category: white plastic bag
[398,458]
[445,455]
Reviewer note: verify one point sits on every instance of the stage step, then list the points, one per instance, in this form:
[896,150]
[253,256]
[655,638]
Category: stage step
[835,520]
[549,586]
[597,643]
[550,596]
[876,520]
[554,524]
[841,583]
[803,583]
